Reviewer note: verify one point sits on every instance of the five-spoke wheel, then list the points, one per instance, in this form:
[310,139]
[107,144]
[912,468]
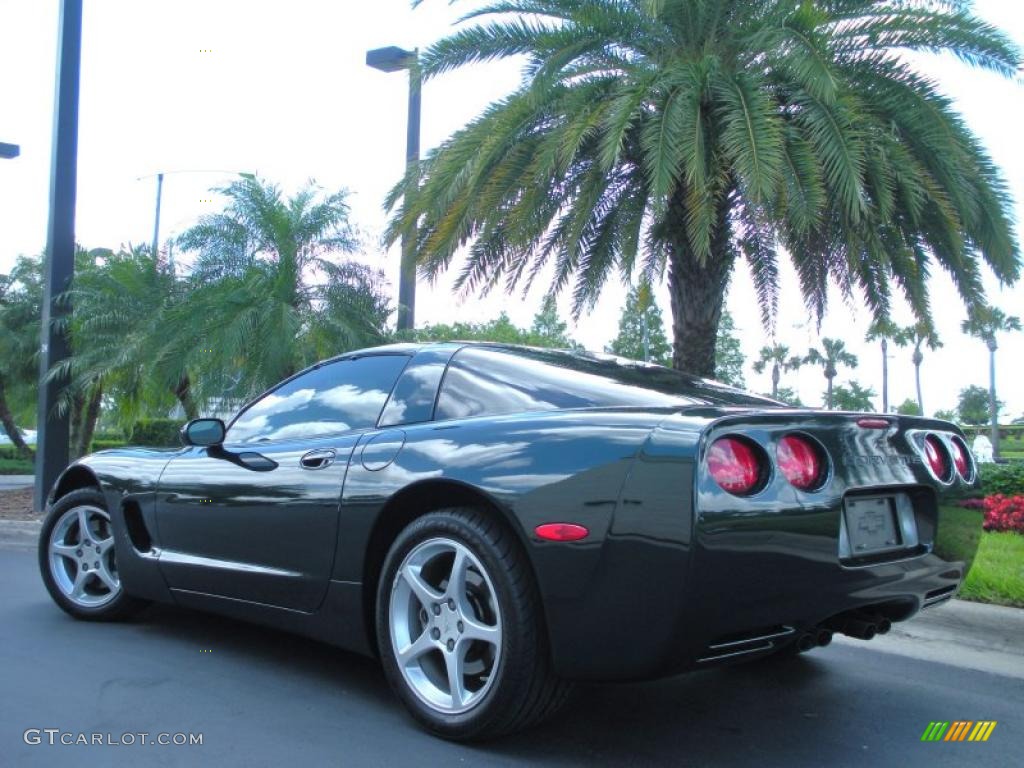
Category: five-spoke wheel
[82,556]
[445,625]
[459,627]
[78,561]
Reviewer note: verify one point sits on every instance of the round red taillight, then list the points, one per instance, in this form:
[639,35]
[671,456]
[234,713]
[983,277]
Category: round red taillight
[961,460]
[734,465]
[938,460]
[799,461]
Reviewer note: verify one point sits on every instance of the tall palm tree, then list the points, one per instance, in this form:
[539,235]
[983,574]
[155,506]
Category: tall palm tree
[883,330]
[918,335]
[985,323]
[780,359]
[268,294]
[833,355]
[687,134]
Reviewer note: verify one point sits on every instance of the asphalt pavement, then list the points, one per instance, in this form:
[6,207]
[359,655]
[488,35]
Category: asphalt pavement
[261,697]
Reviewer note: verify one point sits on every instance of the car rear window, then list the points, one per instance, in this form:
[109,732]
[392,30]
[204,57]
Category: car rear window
[488,382]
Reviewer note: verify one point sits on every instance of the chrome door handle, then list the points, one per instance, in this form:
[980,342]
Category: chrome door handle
[319,459]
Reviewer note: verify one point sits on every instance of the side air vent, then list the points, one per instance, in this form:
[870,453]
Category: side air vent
[937,596]
[137,531]
[735,646]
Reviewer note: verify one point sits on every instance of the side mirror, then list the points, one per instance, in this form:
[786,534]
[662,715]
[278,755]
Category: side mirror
[203,432]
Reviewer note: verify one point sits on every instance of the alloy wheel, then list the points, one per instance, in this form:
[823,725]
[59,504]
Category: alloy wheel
[81,555]
[445,623]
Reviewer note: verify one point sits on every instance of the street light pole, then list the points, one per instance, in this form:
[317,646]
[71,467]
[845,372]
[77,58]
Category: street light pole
[407,283]
[53,428]
[156,218]
[393,59]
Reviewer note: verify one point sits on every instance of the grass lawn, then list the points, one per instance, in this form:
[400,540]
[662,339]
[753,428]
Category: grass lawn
[997,575]
[16,467]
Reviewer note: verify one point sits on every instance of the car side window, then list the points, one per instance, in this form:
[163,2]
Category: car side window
[332,398]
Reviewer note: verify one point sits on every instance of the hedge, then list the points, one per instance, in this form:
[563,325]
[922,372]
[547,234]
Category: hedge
[1003,479]
[1006,431]
[157,433]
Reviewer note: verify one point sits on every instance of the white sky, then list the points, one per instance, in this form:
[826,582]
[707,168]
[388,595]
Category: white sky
[284,91]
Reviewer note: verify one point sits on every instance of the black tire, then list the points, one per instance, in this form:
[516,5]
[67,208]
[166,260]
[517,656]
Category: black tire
[523,690]
[121,605]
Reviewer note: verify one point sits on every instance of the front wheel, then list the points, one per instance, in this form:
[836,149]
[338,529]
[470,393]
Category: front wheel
[459,628]
[77,559]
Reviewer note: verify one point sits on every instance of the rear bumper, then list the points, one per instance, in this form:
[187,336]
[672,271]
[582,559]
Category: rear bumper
[768,578]
[685,566]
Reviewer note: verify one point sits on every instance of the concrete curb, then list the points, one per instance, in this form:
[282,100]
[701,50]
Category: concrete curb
[19,534]
[16,482]
[986,638]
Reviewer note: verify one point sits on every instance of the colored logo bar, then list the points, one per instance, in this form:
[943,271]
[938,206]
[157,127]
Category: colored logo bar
[959,730]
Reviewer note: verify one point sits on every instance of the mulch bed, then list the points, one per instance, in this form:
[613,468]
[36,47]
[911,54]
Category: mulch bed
[17,505]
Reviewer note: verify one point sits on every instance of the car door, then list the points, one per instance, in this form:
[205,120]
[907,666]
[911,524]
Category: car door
[257,517]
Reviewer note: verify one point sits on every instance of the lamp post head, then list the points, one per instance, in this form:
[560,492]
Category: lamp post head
[390,59]
[9,151]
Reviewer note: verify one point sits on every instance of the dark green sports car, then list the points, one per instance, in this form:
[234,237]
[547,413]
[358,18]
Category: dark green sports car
[495,522]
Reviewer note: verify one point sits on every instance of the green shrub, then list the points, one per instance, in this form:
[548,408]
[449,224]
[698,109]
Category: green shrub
[9,452]
[157,433]
[110,436]
[1005,479]
[16,466]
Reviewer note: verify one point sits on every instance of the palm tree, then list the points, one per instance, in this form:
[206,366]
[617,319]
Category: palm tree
[21,298]
[984,323]
[917,335]
[834,355]
[122,341]
[682,135]
[883,330]
[853,397]
[267,294]
[780,359]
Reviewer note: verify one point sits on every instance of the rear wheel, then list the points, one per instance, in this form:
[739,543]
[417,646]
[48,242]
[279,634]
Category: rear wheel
[77,559]
[459,628]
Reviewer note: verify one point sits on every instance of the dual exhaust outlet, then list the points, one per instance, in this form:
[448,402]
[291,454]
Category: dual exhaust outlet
[862,626]
[857,625]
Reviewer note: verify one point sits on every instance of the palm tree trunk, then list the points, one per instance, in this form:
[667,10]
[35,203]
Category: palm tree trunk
[993,404]
[183,391]
[77,409]
[918,358]
[7,419]
[885,376]
[697,293]
[776,375]
[917,380]
[829,394]
[89,419]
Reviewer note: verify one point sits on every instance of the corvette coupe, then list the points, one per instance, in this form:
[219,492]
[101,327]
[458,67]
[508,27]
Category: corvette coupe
[495,522]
